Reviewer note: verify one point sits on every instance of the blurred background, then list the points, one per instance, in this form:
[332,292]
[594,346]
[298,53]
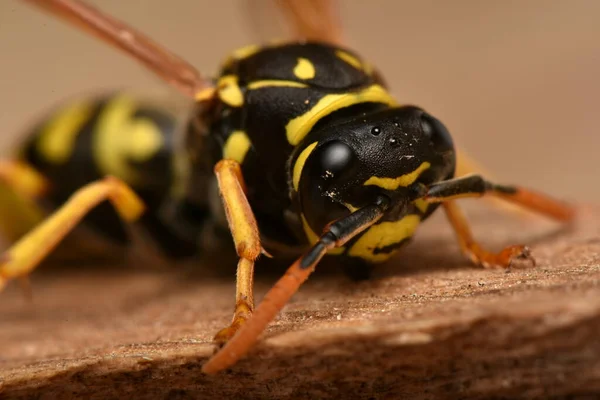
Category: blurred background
[516,82]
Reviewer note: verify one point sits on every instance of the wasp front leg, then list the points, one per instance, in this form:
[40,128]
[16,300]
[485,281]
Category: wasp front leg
[246,238]
[475,186]
[28,252]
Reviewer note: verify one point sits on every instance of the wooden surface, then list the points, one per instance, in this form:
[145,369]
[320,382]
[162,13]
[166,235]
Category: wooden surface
[428,325]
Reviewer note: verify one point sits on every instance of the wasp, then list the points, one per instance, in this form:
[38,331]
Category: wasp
[302,141]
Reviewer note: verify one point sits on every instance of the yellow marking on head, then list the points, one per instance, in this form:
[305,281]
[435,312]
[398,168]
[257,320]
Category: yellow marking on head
[382,235]
[312,237]
[205,94]
[304,69]
[349,58]
[299,164]
[299,127]
[119,139]
[57,139]
[272,83]
[236,146]
[401,181]
[422,205]
[229,91]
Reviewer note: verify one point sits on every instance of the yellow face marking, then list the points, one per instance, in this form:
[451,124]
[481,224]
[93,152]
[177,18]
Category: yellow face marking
[229,91]
[304,69]
[236,146]
[272,83]
[401,181]
[313,238]
[349,58]
[382,235]
[299,164]
[422,205]
[119,139]
[57,139]
[297,128]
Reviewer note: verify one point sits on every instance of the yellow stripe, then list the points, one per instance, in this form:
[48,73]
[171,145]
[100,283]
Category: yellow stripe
[299,164]
[229,91]
[119,139]
[272,83]
[401,181]
[304,69]
[349,58]
[57,139]
[313,237]
[236,146]
[299,127]
[382,235]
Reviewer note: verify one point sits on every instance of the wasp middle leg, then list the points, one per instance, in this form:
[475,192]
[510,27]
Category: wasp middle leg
[447,192]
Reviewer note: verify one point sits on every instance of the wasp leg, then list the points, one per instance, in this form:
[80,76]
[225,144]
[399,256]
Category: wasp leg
[335,235]
[23,179]
[26,254]
[475,186]
[21,187]
[246,238]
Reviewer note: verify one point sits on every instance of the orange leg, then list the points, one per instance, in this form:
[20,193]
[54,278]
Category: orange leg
[335,235]
[475,186]
[474,251]
[246,238]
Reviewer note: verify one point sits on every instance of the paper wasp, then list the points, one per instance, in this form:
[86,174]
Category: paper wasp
[309,151]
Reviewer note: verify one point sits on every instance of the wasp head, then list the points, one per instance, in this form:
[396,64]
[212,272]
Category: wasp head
[387,152]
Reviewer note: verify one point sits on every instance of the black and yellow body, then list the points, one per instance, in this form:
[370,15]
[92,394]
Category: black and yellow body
[279,109]
[118,135]
[303,143]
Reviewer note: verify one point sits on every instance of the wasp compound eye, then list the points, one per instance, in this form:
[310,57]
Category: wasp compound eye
[436,132]
[334,158]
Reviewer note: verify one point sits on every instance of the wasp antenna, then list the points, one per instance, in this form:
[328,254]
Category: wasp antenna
[336,235]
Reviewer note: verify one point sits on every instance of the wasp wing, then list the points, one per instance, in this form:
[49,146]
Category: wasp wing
[295,19]
[155,57]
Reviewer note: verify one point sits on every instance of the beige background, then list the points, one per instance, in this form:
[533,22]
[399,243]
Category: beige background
[517,82]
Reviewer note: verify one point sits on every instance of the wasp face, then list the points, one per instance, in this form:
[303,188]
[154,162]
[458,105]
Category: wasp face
[383,152]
